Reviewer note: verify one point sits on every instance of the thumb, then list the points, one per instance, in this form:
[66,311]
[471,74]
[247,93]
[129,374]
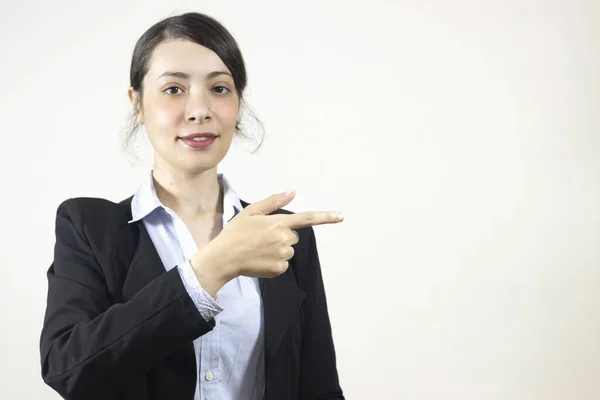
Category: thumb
[271,203]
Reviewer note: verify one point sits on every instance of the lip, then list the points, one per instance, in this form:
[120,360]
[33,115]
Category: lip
[210,138]
[199,134]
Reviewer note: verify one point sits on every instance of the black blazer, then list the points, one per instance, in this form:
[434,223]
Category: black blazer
[118,326]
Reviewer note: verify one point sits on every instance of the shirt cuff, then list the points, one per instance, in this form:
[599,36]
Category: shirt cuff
[207,306]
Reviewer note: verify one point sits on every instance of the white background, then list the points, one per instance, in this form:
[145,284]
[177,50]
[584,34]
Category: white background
[460,138]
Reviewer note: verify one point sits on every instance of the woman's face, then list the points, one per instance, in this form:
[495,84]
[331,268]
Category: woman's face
[187,90]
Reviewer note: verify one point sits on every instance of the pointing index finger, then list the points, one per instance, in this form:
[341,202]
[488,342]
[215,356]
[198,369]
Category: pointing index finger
[312,218]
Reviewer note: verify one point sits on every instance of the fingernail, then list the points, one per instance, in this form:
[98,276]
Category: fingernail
[289,192]
[340,216]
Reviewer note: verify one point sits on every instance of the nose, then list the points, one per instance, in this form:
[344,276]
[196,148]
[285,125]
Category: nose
[198,108]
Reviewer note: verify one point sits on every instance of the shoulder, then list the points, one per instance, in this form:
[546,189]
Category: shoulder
[89,215]
[97,208]
[96,228]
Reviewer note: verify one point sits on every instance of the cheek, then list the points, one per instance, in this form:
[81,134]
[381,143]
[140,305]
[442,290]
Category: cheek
[166,114]
[161,122]
[227,113]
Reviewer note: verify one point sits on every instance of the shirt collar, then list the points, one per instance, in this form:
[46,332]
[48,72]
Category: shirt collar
[145,200]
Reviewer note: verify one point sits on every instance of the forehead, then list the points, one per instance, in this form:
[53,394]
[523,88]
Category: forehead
[185,56]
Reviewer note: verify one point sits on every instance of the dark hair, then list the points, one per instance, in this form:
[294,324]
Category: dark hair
[200,29]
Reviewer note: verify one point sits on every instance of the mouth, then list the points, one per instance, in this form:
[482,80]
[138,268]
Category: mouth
[199,136]
[199,140]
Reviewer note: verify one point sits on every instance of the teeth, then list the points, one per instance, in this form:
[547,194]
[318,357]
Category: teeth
[200,138]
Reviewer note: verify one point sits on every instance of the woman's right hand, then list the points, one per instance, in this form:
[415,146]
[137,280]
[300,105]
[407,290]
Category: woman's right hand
[254,243]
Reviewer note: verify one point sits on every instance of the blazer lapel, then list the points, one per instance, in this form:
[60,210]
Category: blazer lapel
[136,250]
[145,265]
[282,299]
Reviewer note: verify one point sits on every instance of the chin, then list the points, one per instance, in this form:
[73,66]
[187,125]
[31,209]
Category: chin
[197,162]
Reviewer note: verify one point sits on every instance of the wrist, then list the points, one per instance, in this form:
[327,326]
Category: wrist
[211,270]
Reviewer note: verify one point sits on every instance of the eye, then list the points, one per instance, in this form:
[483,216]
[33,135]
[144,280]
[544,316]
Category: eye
[221,89]
[169,89]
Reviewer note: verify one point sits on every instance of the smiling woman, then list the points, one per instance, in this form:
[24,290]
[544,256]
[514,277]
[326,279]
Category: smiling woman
[188,93]
[183,290]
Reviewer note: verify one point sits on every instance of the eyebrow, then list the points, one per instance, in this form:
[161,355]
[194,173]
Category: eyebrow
[183,75]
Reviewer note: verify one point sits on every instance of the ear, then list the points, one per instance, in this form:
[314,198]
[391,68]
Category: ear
[133,96]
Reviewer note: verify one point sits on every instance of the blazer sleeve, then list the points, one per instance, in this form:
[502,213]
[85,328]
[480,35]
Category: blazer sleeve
[89,346]
[318,370]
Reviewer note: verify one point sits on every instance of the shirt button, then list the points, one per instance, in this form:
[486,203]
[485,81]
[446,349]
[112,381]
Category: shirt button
[209,376]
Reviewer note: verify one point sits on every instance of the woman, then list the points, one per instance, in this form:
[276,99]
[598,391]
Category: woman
[184,291]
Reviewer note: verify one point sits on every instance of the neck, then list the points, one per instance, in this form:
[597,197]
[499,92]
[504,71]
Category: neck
[190,195]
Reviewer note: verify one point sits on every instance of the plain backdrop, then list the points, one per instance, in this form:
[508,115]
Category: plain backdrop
[460,138]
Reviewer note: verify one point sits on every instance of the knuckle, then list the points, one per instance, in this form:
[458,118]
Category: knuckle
[279,268]
[310,219]
[283,252]
[277,224]
[296,237]
[283,267]
[272,200]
